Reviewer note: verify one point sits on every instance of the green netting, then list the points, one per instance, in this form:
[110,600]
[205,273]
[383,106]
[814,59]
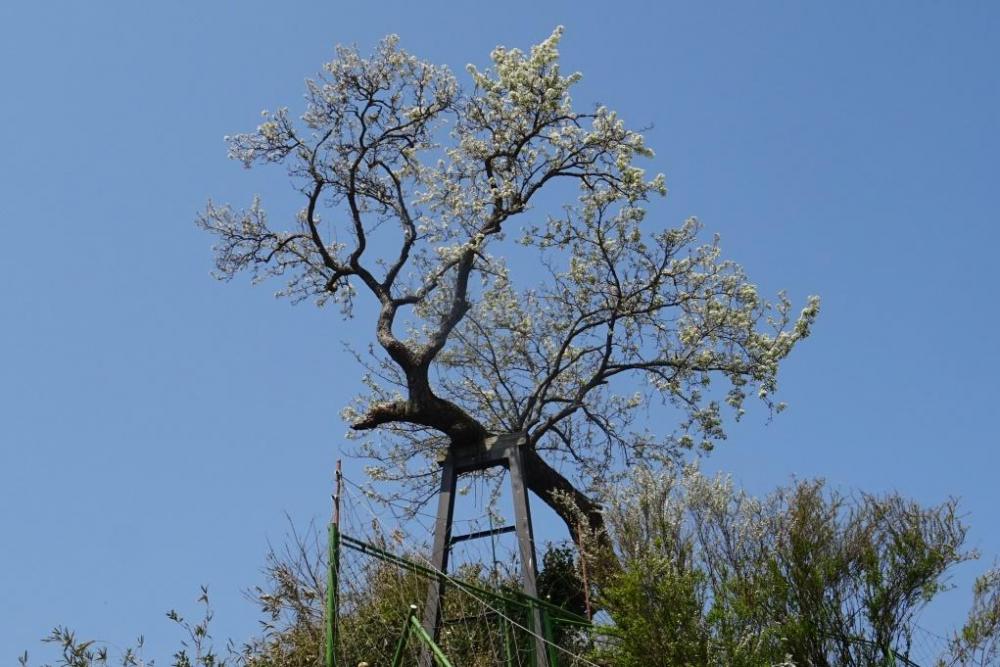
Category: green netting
[381,587]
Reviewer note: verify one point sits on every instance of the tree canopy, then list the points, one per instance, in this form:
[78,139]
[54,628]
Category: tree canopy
[502,234]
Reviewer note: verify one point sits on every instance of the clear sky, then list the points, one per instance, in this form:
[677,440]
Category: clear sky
[155,426]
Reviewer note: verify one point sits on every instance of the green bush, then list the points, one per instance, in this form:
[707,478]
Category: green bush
[711,576]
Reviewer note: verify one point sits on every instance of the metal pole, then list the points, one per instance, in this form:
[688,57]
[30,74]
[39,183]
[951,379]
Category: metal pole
[526,544]
[510,648]
[586,580]
[550,639]
[338,481]
[397,658]
[439,657]
[439,557]
[333,571]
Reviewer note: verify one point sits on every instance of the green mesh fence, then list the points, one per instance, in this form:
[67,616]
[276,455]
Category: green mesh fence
[381,580]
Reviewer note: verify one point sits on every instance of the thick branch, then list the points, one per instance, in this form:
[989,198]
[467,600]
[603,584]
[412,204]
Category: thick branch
[549,484]
[425,409]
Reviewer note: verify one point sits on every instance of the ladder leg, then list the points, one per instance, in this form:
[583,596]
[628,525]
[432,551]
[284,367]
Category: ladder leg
[439,557]
[526,544]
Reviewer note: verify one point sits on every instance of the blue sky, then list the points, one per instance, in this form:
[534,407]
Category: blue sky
[156,426]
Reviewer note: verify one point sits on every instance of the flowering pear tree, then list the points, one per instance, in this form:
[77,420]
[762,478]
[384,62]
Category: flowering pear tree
[501,235]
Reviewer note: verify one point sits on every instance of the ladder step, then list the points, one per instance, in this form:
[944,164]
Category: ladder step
[481,533]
